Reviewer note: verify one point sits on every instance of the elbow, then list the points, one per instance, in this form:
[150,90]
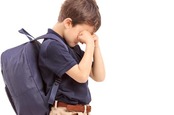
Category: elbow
[83,79]
[98,76]
[100,79]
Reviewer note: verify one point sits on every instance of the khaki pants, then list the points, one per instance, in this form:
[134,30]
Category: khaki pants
[63,111]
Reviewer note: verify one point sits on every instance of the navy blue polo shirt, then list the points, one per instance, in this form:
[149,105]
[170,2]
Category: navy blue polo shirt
[54,61]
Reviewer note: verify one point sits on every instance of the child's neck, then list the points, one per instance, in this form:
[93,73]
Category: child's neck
[58,28]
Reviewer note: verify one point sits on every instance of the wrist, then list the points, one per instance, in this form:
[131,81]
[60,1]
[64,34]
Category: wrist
[90,43]
[91,46]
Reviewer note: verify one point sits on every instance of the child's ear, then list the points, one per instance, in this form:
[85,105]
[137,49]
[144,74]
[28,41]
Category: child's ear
[67,22]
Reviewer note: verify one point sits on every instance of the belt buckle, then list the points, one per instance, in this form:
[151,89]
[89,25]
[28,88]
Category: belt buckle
[85,108]
[56,103]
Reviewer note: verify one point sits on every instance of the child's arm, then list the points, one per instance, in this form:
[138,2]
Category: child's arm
[80,72]
[98,69]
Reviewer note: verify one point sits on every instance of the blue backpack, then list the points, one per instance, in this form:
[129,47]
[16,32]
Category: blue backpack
[23,82]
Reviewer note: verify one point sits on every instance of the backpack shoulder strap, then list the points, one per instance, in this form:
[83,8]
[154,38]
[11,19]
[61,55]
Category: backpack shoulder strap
[52,36]
[48,35]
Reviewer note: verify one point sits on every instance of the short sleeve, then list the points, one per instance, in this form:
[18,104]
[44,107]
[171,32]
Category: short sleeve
[56,57]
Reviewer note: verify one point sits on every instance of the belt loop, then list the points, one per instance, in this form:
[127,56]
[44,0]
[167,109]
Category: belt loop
[85,108]
[55,104]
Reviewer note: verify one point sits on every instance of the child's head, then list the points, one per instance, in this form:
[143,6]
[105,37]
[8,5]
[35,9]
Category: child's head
[81,12]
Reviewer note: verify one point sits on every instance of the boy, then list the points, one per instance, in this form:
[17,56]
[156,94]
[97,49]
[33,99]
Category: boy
[77,23]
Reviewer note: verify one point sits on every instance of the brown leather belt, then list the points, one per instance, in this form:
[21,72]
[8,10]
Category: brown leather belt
[76,108]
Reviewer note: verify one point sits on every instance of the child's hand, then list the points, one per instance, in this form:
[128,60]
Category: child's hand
[96,41]
[86,37]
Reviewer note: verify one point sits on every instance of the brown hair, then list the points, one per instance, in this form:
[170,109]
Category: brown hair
[81,12]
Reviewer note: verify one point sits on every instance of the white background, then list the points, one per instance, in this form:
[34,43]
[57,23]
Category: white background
[137,43]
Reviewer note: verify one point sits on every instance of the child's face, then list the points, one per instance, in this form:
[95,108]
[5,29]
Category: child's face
[71,34]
